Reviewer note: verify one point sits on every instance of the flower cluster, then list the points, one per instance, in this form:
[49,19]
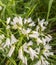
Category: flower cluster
[29,39]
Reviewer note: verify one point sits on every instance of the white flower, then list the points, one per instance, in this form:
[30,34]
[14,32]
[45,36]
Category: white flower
[8,26]
[33,53]
[30,43]
[11,51]
[8,20]
[0,41]
[46,51]
[13,39]
[44,41]
[26,45]
[25,21]
[20,21]
[41,23]
[15,27]
[24,31]
[37,50]
[29,20]
[38,40]
[42,61]
[25,48]
[32,24]
[28,30]
[37,28]
[7,43]
[48,38]
[25,60]
[17,20]
[47,47]
[21,56]
[0,8]
[34,34]
[2,36]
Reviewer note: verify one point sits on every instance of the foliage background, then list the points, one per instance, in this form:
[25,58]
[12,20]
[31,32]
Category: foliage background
[34,9]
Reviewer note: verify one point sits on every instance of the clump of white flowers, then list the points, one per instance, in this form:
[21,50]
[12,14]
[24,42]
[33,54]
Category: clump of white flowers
[29,39]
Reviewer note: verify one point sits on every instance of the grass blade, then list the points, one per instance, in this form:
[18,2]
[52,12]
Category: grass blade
[49,8]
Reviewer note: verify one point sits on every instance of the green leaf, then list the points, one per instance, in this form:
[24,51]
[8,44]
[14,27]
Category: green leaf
[49,8]
[52,19]
[12,61]
[31,10]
